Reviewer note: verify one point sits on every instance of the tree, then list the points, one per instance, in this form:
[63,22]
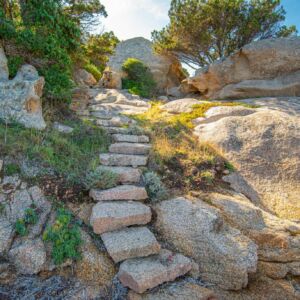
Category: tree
[202,31]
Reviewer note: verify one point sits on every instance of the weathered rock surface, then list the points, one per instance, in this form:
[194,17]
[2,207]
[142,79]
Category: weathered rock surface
[20,98]
[225,256]
[180,105]
[141,274]
[130,243]
[6,235]
[123,160]
[264,148]
[122,192]
[124,174]
[167,72]
[110,216]
[130,148]
[29,257]
[179,291]
[117,121]
[263,68]
[130,138]
[62,128]
[83,77]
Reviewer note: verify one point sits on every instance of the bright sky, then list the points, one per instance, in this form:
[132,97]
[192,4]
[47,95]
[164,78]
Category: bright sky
[132,18]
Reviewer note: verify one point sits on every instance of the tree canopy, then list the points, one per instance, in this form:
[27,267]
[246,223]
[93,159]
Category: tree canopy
[202,31]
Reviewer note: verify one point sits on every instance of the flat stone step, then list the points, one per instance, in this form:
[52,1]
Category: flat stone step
[141,274]
[117,121]
[109,159]
[109,216]
[124,174]
[122,192]
[129,138]
[130,148]
[118,130]
[130,243]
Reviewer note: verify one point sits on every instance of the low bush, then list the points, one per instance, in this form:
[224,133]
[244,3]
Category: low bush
[93,70]
[139,79]
[100,179]
[64,237]
[155,188]
[14,63]
[11,169]
[30,218]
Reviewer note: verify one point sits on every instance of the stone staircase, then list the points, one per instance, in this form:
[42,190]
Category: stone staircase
[120,216]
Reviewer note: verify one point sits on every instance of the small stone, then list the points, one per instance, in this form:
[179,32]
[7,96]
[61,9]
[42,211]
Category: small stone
[109,216]
[129,138]
[122,192]
[28,257]
[62,128]
[130,148]
[124,174]
[141,274]
[130,243]
[123,160]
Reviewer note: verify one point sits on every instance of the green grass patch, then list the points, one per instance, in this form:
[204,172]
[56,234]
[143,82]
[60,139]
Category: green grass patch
[11,169]
[71,155]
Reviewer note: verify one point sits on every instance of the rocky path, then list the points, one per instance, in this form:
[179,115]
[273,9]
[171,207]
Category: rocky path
[120,216]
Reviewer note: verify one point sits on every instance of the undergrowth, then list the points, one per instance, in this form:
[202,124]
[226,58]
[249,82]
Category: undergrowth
[64,235]
[69,155]
[31,218]
[182,161]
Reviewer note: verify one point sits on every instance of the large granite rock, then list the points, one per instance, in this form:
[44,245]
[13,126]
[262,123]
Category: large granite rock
[264,148]
[167,72]
[263,68]
[225,256]
[84,78]
[20,98]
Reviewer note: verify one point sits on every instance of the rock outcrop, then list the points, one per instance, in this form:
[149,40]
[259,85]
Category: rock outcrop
[263,68]
[167,71]
[20,98]
[264,148]
[84,78]
[225,256]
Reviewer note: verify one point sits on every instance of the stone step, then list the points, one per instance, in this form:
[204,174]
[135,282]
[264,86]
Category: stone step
[118,130]
[130,148]
[130,243]
[118,121]
[141,274]
[109,216]
[103,114]
[122,192]
[124,174]
[130,138]
[121,160]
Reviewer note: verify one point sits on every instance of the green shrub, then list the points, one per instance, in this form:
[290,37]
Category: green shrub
[11,169]
[14,63]
[100,179]
[229,166]
[93,70]
[30,218]
[155,188]
[64,236]
[139,79]
[208,176]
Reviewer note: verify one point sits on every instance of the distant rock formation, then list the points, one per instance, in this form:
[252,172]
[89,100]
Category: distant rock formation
[20,98]
[261,69]
[167,71]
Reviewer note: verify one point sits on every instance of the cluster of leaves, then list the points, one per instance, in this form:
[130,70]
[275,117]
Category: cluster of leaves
[100,179]
[201,32]
[11,169]
[50,35]
[139,79]
[30,218]
[69,155]
[155,188]
[64,236]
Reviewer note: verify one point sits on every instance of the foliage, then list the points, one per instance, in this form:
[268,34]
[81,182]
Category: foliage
[101,179]
[155,188]
[139,79]
[30,218]
[11,169]
[68,155]
[14,63]
[201,32]
[229,166]
[182,161]
[93,70]
[64,236]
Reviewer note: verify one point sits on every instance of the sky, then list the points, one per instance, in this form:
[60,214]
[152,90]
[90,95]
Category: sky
[133,18]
